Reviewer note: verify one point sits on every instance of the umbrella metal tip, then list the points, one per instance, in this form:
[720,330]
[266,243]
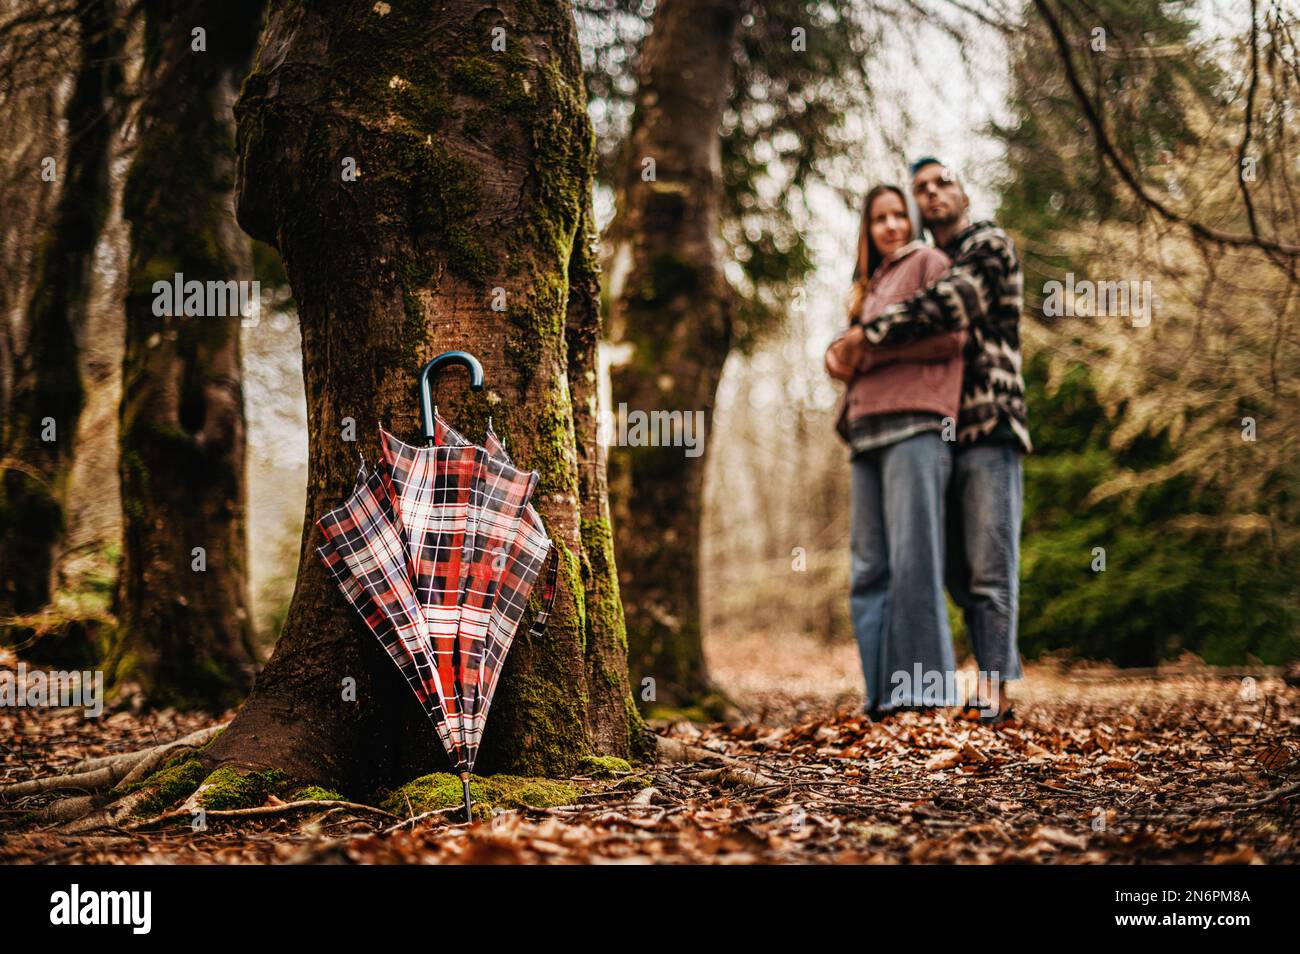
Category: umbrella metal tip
[464,781]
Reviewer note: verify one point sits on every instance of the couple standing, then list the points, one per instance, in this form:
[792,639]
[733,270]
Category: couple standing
[934,413]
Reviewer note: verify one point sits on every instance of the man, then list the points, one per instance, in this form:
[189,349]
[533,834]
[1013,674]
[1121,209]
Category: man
[982,294]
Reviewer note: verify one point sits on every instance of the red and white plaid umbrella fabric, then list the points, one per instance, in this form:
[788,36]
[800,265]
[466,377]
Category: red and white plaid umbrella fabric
[522,561]
[438,549]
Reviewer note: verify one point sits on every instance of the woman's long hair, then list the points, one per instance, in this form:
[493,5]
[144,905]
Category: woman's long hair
[869,257]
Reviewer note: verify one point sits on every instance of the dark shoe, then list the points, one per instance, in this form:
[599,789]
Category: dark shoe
[910,708]
[977,708]
[998,718]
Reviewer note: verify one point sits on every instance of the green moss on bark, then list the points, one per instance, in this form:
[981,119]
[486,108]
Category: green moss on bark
[605,766]
[606,613]
[443,790]
[502,79]
[570,572]
[229,788]
[314,793]
[447,202]
[557,728]
[173,782]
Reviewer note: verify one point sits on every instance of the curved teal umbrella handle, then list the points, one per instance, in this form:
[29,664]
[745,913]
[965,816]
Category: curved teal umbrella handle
[432,367]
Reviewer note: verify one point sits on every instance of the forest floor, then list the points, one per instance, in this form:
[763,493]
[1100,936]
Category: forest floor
[1181,765]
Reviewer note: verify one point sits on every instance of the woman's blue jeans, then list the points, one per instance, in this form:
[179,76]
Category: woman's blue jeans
[897,537]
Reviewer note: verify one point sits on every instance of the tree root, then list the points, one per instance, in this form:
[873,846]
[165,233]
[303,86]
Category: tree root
[113,814]
[733,770]
[103,778]
[109,771]
[154,758]
[96,780]
[66,809]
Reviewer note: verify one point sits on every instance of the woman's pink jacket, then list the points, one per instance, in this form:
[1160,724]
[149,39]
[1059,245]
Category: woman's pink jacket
[922,375]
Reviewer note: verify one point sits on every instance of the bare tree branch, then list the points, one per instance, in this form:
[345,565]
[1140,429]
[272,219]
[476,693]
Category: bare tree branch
[1107,147]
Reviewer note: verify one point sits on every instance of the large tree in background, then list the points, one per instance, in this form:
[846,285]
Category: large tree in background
[47,395]
[673,310]
[473,167]
[735,107]
[185,629]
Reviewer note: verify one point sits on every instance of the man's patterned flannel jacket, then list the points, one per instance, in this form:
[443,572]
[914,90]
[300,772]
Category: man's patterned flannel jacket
[982,293]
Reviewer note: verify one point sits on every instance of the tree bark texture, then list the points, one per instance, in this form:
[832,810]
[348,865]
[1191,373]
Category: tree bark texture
[47,392]
[465,124]
[185,628]
[671,319]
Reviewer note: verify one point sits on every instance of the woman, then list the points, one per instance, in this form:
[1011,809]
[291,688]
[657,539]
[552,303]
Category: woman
[893,417]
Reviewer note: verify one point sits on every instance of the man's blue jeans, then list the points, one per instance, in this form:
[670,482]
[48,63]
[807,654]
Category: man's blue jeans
[897,505]
[985,504]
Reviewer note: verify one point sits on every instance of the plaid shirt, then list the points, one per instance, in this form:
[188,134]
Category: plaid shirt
[982,293]
[881,430]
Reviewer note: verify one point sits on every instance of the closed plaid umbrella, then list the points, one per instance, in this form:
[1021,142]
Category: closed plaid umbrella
[438,549]
[522,559]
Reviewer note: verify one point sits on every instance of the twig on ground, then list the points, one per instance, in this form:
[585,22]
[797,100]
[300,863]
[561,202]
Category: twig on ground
[415,818]
[259,811]
[1260,802]
[672,750]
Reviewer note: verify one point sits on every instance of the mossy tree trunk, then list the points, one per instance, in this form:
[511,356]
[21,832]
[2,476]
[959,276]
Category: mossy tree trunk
[671,313]
[47,394]
[185,628]
[472,173]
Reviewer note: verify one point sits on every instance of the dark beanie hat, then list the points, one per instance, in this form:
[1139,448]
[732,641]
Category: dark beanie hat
[924,161]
